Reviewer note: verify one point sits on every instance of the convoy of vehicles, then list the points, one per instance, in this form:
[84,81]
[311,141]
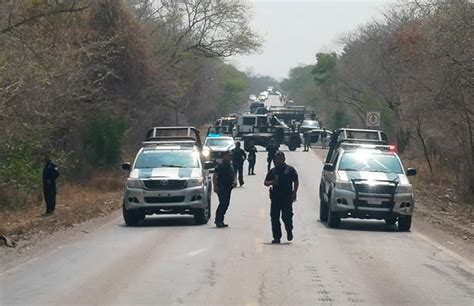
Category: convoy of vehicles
[364,178]
[169,176]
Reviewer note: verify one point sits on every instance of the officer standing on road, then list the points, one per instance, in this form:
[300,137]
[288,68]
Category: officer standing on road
[284,183]
[252,158]
[324,136]
[307,141]
[238,158]
[272,148]
[50,175]
[223,181]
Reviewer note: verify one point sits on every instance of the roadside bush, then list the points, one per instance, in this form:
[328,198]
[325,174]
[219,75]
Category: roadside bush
[103,140]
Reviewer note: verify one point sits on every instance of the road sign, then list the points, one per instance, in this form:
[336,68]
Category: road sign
[373,119]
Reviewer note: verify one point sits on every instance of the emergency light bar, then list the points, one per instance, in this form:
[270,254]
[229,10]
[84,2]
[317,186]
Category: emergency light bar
[389,148]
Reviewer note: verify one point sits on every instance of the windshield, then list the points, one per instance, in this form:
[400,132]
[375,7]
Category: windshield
[216,142]
[369,161]
[169,159]
[311,123]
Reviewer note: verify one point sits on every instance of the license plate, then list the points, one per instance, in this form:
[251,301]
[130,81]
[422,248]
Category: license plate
[374,201]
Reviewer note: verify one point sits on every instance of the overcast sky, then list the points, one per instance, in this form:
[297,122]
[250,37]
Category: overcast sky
[295,30]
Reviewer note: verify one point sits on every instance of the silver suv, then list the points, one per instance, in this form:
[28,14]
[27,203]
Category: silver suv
[167,177]
[366,181]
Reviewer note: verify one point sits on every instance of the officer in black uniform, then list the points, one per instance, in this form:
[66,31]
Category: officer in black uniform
[224,181]
[284,183]
[50,175]
[272,148]
[238,158]
[252,159]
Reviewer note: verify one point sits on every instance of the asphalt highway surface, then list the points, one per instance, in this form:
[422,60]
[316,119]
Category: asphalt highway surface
[169,260]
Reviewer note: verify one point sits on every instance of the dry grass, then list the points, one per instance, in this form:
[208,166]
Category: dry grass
[75,203]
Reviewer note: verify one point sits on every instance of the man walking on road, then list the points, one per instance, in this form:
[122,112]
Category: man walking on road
[272,148]
[238,158]
[50,175]
[284,183]
[224,181]
[252,159]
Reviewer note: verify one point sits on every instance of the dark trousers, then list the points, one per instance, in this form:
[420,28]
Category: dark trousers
[283,207]
[224,201]
[269,161]
[239,170]
[252,166]
[49,192]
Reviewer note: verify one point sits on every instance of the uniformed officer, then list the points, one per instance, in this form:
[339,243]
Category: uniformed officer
[272,148]
[50,175]
[238,158]
[307,141]
[224,181]
[284,183]
[252,159]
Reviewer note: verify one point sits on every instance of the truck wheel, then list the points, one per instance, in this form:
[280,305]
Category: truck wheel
[202,215]
[323,211]
[390,221]
[404,223]
[292,148]
[132,217]
[333,218]
[323,207]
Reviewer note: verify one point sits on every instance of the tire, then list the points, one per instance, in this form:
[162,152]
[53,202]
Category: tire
[132,218]
[390,221]
[202,215]
[333,218]
[292,148]
[323,207]
[323,211]
[404,223]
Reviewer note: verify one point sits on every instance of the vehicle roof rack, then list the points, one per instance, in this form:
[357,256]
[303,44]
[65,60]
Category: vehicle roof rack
[174,135]
[359,136]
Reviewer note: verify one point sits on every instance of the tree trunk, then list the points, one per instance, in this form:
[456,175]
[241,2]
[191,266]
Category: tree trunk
[422,139]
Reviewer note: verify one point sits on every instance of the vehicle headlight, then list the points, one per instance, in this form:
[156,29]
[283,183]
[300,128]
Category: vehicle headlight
[195,182]
[404,189]
[206,152]
[134,183]
[344,185]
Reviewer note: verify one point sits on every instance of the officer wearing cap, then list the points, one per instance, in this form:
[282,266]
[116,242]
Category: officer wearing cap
[283,182]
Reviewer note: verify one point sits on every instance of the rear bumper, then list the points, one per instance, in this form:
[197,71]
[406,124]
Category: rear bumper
[372,206]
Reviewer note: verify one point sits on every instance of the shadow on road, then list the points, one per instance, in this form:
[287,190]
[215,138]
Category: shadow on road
[365,225]
[165,221]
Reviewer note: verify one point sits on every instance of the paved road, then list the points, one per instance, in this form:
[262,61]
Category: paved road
[171,261]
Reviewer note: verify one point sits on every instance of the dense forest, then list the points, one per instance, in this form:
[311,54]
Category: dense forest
[416,67]
[82,80]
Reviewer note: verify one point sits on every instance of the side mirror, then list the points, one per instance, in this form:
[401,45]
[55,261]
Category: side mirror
[126,167]
[209,165]
[328,167]
[411,172]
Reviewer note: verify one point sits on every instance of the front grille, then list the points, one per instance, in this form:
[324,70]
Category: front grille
[164,184]
[177,199]
[377,189]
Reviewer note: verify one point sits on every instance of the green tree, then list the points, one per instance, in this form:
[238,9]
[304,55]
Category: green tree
[325,68]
